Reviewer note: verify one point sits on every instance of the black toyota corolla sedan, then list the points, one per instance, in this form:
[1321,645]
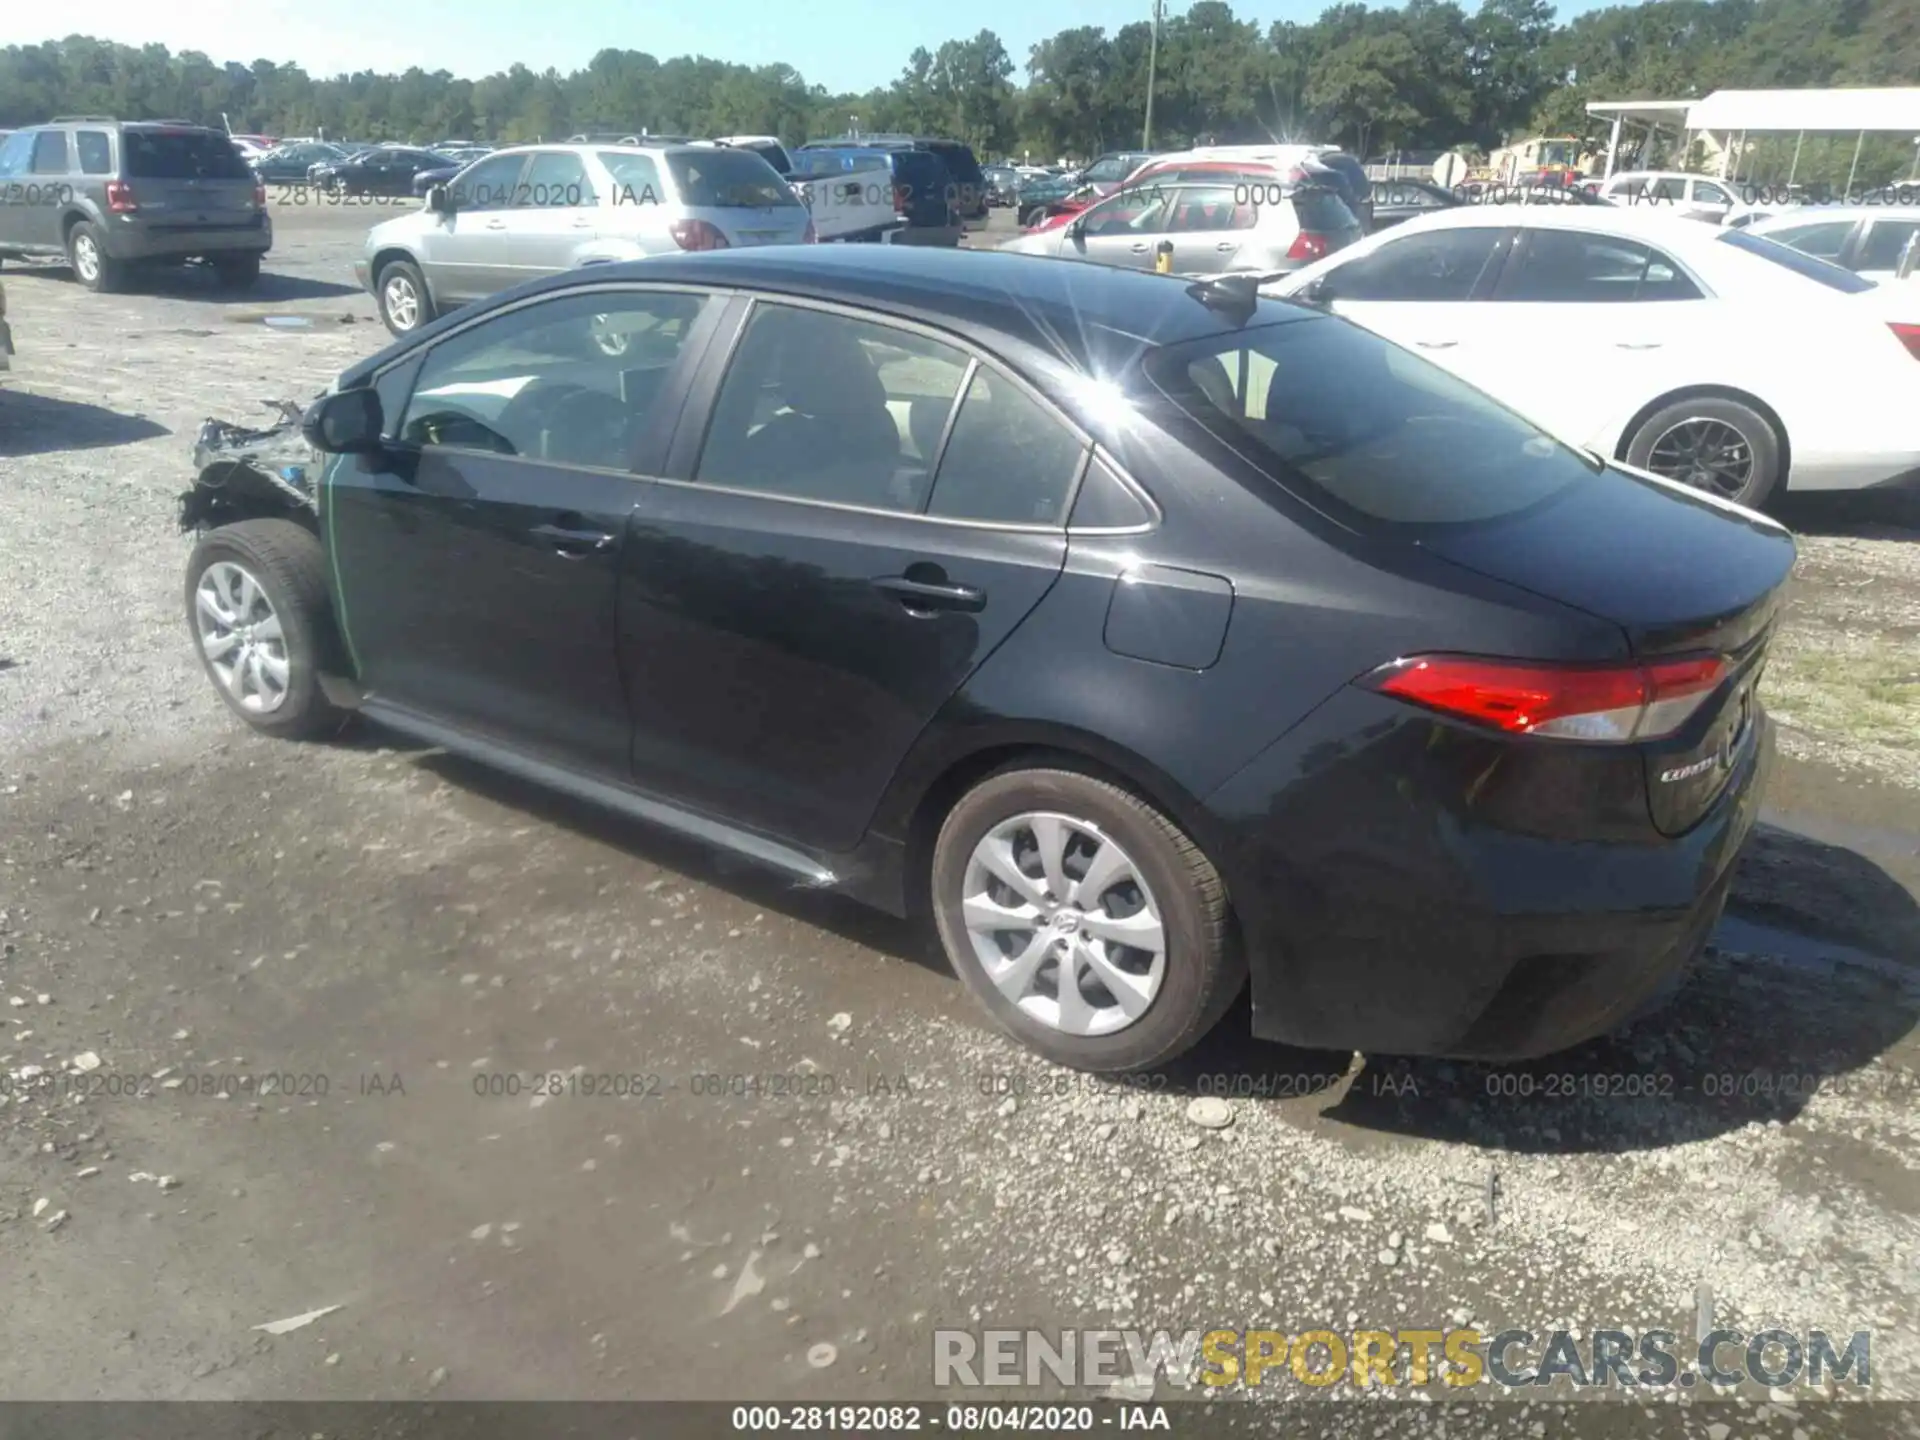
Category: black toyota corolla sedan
[1156,638]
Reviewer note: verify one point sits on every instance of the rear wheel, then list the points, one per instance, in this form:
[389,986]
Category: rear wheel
[92,266]
[1717,445]
[1084,920]
[257,605]
[405,302]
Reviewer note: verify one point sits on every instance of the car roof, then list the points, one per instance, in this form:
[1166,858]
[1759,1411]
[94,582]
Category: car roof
[1642,221]
[1814,214]
[1093,319]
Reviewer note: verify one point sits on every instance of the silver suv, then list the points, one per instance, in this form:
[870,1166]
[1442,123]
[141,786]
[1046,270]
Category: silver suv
[539,209]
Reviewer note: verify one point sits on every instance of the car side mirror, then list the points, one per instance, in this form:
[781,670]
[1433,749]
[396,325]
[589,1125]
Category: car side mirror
[440,200]
[1315,292]
[1077,228]
[348,423]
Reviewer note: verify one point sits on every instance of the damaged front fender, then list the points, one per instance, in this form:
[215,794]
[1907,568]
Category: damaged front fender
[243,473]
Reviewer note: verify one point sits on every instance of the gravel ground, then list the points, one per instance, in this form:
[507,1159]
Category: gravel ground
[181,900]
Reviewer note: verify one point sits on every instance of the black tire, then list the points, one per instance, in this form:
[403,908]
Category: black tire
[407,273]
[236,272]
[1204,968]
[288,563]
[93,267]
[1763,444]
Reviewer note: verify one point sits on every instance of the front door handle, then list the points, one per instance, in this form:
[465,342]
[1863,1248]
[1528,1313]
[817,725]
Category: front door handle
[496,225]
[1226,246]
[583,223]
[1436,344]
[1638,345]
[571,541]
[922,595]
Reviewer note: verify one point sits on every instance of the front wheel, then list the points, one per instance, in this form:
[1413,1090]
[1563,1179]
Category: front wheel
[1084,920]
[257,605]
[1720,446]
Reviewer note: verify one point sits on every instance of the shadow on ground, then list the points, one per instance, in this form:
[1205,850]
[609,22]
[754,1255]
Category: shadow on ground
[40,425]
[1749,1039]
[1866,514]
[198,282]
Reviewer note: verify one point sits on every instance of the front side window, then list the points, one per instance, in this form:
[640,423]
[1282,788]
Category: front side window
[568,381]
[1440,266]
[16,153]
[1383,439]
[488,185]
[1107,171]
[1132,212]
[1008,461]
[1711,194]
[1572,267]
[818,406]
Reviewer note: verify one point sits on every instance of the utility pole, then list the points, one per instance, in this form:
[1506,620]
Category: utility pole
[1153,57]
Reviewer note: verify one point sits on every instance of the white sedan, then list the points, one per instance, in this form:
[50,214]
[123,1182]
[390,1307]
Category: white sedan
[1709,356]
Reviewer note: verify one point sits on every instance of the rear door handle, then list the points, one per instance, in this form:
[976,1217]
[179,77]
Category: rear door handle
[573,541]
[496,225]
[1226,245]
[1436,344]
[1637,344]
[1141,248]
[583,223]
[922,595]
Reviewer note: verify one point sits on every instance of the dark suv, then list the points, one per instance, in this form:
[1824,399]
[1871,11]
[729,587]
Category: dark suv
[963,167]
[108,195]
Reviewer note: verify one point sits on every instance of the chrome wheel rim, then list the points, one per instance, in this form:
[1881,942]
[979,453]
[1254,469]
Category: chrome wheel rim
[241,637]
[402,301]
[1063,923]
[86,257]
[1706,454]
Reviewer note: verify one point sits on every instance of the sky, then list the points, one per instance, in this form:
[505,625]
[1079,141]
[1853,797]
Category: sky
[846,45]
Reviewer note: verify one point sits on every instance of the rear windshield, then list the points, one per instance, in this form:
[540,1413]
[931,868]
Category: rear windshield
[1372,434]
[1322,211]
[921,169]
[181,155]
[1798,261]
[959,159]
[727,180]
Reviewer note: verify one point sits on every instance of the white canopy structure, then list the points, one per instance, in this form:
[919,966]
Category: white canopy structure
[1727,117]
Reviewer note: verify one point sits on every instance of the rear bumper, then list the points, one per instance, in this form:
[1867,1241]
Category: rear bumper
[1387,906]
[133,237]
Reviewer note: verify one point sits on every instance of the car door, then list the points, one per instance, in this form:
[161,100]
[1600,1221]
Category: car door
[1208,230]
[1580,322]
[1876,253]
[48,180]
[792,617]
[556,215]
[1122,230]
[466,252]
[1420,290]
[477,560]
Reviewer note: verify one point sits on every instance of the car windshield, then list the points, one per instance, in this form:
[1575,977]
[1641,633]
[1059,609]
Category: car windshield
[1371,433]
[1798,261]
[182,155]
[727,180]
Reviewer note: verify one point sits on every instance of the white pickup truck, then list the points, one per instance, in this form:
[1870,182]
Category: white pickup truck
[856,206]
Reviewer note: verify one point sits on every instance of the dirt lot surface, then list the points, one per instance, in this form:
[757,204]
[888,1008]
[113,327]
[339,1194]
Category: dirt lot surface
[409,941]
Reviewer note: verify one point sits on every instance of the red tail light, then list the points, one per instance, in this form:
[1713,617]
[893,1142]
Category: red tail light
[697,235]
[1909,336]
[903,198]
[1308,246]
[812,236]
[120,197]
[1608,703]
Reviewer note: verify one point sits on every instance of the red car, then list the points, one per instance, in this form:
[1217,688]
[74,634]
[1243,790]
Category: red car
[1171,168]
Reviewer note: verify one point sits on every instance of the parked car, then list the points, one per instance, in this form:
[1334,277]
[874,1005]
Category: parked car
[293,164]
[384,170]
[456,161]
[1003,186]
[1866,239]
[849,193]
[968,199]
[1275,657]
[108,196]
[1714,357]
[1323,164]
[1209,227]
[1398,200]
[1101,177]
[1694,197]
[924,193]
[538,209]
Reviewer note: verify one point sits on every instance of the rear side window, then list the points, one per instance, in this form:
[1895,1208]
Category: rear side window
[1375,435]
[1008,461]
[1440,266]
[1322,211]
[181,155]
[1571,267]
[50,153]
[1824,240]
[1788,258]
[636,179]
[727,180]
[96,152]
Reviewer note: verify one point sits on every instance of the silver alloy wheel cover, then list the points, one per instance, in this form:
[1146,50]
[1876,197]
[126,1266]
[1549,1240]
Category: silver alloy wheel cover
[1710,455]
[241,637]
[1079,946]
[402,302]
[86,256]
